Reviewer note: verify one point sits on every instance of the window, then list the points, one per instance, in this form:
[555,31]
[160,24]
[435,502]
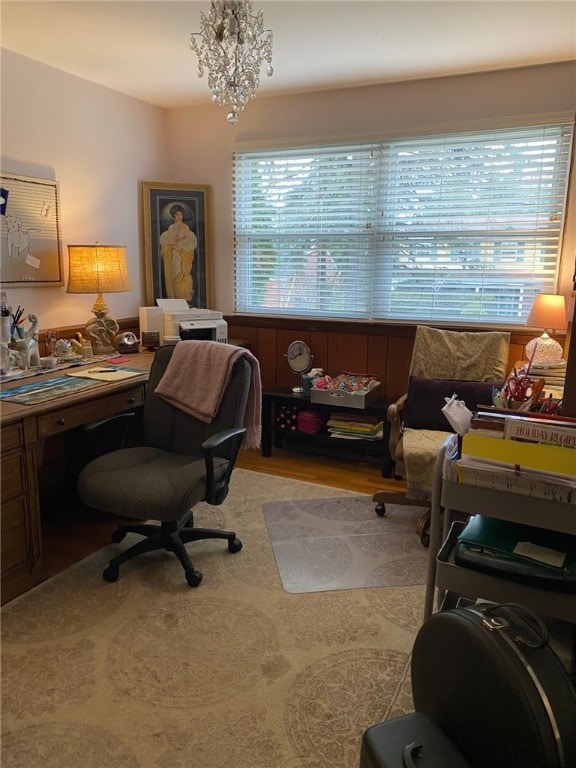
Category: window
[462,227]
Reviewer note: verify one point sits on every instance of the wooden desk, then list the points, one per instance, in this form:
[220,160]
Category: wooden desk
[23,428]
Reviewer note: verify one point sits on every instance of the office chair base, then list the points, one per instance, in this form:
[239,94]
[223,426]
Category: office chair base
[171,536]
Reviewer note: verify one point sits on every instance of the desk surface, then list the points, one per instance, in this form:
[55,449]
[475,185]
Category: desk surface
[13,412]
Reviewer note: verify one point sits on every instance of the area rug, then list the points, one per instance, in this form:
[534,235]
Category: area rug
[149,673]
[341,543]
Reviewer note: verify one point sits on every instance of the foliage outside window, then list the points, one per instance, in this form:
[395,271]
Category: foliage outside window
[461,227]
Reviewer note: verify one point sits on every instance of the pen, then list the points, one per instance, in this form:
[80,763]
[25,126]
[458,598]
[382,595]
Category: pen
[101,370]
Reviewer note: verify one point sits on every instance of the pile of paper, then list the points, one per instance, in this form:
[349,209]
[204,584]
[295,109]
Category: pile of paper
[352,426]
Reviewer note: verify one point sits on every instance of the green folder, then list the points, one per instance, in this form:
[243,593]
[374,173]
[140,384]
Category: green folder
[505,543]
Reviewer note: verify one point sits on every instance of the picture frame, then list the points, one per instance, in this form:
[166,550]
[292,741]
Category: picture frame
[30,235]
[177,243]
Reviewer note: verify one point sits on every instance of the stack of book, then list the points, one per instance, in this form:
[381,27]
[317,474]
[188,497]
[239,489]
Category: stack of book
[554,375]
[351,426]
[532,454]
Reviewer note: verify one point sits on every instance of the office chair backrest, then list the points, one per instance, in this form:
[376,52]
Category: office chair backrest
[172,430]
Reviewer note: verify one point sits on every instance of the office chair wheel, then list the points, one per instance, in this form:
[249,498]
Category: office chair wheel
[193,577]
[118,535]
[111,573]
[380,510]
[234,545]
[423,529]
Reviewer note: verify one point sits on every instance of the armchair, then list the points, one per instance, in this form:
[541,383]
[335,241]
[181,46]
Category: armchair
[443,363]
[187,454]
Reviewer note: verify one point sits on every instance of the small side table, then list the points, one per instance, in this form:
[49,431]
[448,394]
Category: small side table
[373,451]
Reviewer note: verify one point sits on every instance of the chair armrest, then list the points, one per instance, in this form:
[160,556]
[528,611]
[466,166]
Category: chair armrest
[99,437]
[395,417]
[120,421]
[395,410]
[225,444]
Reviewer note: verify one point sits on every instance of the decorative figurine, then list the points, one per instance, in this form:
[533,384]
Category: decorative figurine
[81,345]
[27,347]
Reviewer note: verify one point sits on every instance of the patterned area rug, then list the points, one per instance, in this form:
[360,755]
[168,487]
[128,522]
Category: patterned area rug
[327,544]
[148,673]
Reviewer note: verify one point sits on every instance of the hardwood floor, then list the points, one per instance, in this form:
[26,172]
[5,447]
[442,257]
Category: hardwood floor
[71,532]
[350,475]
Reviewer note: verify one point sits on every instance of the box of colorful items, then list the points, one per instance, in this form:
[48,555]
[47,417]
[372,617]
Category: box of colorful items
[348,390]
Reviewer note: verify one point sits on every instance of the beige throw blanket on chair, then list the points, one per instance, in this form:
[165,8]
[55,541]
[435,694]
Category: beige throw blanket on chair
[197,376]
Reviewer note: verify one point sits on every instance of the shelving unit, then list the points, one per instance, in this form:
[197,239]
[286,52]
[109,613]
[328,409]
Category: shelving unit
[374,451]
[445,575]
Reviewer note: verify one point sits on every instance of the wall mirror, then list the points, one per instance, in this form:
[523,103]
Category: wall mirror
[299,359]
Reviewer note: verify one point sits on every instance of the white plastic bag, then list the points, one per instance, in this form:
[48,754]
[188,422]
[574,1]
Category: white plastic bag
[458,414]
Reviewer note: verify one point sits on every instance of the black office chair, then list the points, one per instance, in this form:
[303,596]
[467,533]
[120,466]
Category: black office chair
[182,462]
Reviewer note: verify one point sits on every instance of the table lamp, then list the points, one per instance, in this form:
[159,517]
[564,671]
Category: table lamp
[548,312]
[99,269]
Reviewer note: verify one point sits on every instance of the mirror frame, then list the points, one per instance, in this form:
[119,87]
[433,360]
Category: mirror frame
[295,351]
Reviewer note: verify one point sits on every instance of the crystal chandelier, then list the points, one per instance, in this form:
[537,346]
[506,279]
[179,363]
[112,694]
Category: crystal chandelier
[231,45]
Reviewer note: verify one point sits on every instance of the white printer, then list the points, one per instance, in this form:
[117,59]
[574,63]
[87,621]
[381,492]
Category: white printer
[174,320]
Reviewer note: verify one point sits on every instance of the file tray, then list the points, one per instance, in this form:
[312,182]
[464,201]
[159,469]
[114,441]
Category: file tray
[340,399]
[467,582]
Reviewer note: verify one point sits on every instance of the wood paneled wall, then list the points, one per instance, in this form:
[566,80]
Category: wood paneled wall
[383,350]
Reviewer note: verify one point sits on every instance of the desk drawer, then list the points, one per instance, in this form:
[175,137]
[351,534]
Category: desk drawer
[12,476]
[12,438]
[83,413]
[15,546]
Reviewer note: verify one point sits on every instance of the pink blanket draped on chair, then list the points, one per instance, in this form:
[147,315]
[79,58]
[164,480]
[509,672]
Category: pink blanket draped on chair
[196,378]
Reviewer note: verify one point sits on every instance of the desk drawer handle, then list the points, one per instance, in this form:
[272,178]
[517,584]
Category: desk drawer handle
[131,400]
[61,422]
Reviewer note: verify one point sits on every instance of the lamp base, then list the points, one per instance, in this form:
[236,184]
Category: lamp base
[544,349]
[101,330]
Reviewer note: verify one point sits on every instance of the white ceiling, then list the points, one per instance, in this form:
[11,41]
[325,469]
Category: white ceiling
[141,47]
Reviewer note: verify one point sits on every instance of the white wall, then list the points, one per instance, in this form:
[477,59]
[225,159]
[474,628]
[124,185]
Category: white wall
[100,145]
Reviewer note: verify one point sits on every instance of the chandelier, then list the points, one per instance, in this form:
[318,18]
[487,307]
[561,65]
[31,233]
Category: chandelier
[232,45]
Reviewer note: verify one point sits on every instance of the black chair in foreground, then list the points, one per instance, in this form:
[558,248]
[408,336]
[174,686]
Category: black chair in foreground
[185,458]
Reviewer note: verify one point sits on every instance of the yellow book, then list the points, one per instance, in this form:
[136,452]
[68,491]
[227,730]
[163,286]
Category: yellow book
[549,458]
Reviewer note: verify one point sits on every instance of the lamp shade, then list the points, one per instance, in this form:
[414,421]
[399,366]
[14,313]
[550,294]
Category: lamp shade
[98,269]
[548,311]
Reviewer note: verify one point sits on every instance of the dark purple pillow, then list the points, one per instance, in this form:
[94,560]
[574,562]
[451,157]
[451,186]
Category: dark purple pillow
[423,407]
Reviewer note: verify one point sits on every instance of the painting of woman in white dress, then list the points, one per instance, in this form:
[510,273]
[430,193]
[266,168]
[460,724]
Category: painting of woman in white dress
[177,243]
[178,246]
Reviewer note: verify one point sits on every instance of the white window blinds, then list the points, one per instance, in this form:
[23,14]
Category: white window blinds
[462,228]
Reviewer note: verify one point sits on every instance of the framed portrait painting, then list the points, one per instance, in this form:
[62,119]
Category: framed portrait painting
[30,239]
[177,243]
